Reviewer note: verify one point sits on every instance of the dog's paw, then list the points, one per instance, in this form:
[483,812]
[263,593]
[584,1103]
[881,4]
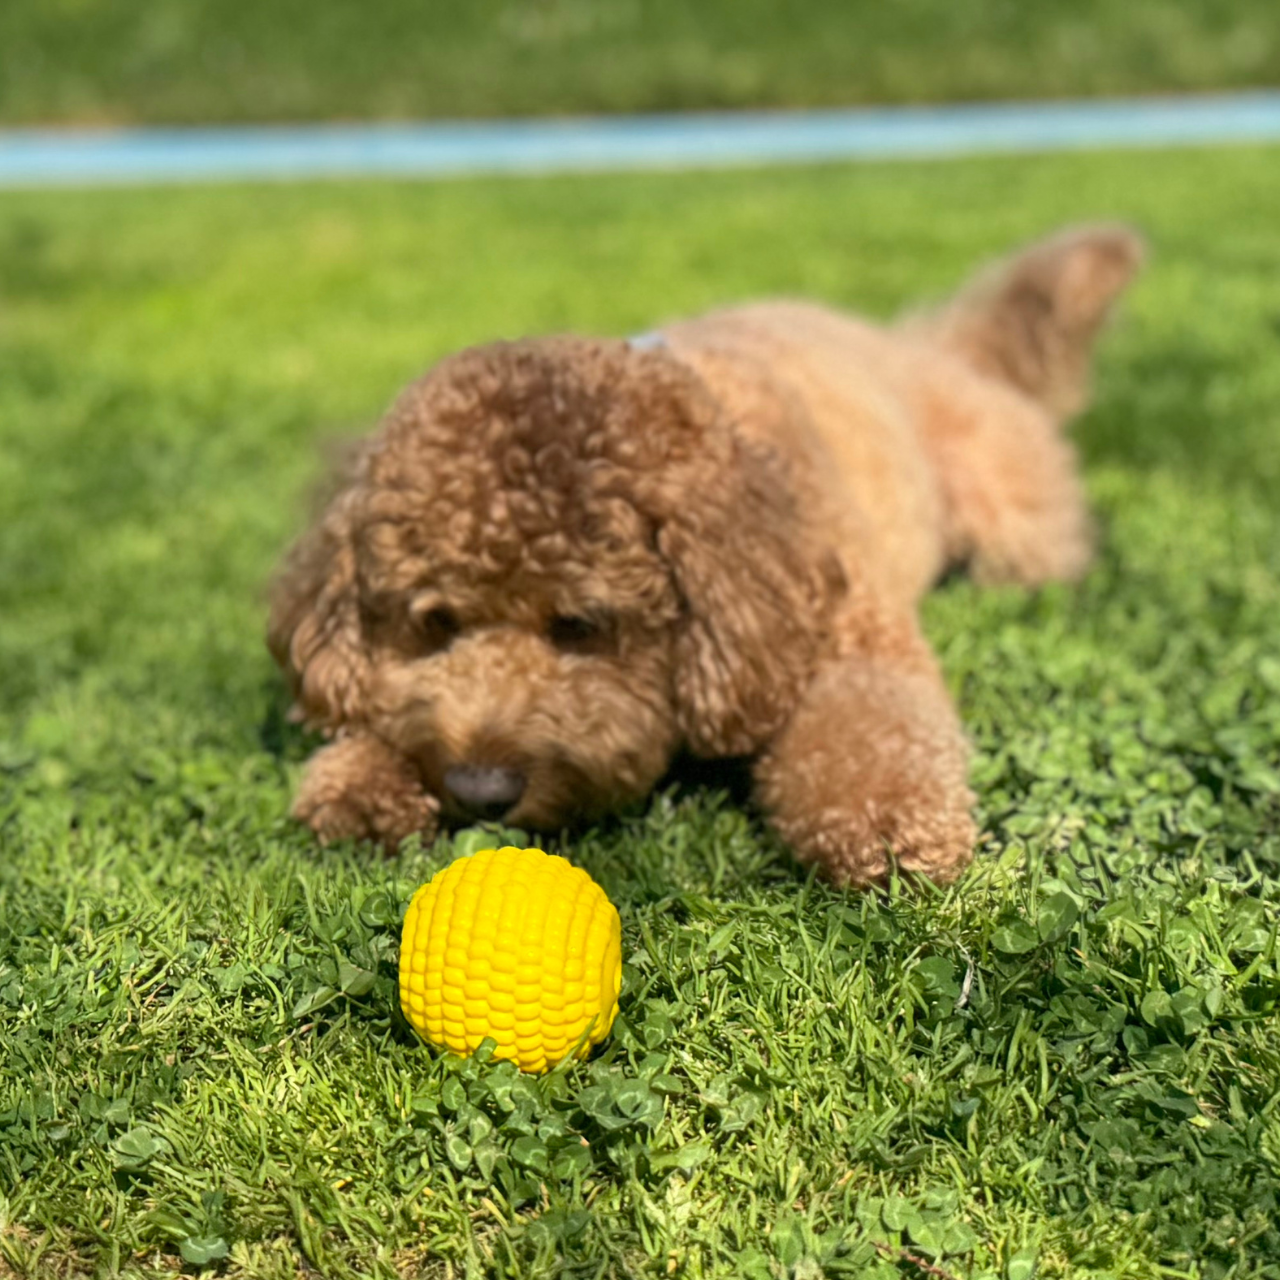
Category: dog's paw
[387,823]
[862,845]
[332,820]
[357,789]
[871,773]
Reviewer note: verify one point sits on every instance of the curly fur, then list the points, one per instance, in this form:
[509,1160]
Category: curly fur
[570,559]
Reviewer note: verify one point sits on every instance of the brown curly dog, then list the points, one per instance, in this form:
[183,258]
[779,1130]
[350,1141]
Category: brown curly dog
[559,562]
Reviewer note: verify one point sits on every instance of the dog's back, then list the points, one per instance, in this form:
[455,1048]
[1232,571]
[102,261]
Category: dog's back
[936,441]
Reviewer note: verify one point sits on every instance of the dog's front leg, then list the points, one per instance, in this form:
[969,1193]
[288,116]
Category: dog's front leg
[871,770]
[359,788]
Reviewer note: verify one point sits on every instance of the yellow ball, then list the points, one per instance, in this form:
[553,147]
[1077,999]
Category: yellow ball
[515,944]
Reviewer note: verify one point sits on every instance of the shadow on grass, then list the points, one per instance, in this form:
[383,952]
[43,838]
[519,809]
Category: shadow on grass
[280,736]
[1164,410]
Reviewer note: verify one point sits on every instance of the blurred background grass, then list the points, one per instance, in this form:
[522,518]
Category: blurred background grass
[189,61]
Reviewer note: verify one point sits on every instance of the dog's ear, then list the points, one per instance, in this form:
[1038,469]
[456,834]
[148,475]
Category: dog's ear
[755,583]
[314,626]
[755,595]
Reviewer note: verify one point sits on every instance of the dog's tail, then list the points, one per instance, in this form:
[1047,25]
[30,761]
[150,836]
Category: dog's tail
[1032,318]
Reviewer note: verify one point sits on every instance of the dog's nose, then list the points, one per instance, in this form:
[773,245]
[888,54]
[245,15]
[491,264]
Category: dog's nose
[484,791]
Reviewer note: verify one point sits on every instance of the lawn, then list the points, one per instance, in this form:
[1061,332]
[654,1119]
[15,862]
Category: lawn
[1067,1065]
[195,61]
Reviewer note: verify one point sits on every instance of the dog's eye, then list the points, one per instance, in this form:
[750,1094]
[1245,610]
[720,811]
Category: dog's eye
[580,635]
[437,628]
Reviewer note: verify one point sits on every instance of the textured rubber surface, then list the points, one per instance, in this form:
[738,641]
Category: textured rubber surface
[515,944]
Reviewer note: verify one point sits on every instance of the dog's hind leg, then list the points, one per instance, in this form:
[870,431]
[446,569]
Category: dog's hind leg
[1013,507]
[1000,368]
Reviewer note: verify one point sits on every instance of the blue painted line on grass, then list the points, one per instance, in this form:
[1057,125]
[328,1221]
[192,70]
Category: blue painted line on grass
[43,157]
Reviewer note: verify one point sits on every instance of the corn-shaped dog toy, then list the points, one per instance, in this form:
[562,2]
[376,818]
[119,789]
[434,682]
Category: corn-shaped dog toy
[515,944]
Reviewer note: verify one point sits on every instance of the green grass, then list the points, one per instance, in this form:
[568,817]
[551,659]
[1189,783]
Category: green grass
[208,60]
[1069,1061]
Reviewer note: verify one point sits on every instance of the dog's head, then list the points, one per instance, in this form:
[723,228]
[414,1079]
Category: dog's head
[554,565]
